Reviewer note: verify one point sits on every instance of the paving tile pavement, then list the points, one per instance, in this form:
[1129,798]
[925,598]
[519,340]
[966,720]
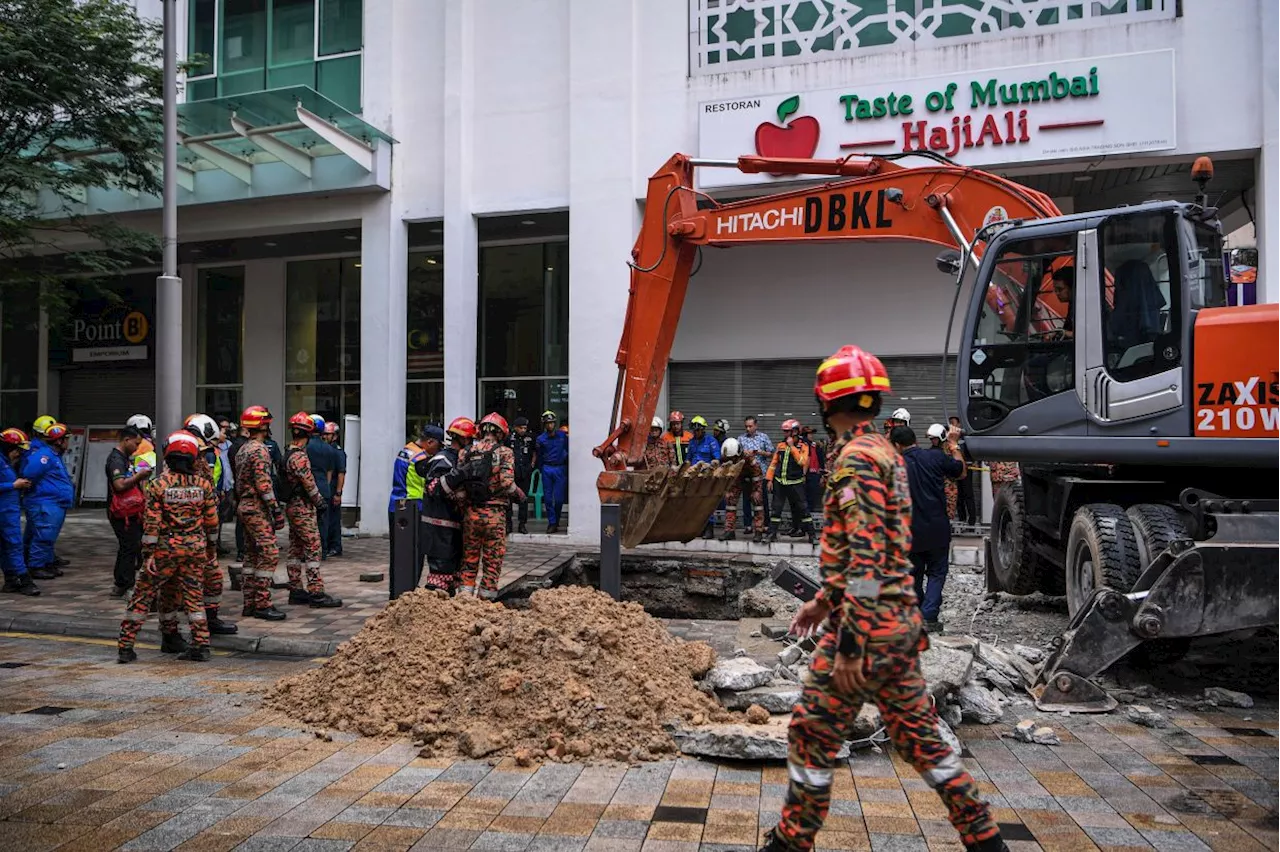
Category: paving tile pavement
[164,756]
[79,603]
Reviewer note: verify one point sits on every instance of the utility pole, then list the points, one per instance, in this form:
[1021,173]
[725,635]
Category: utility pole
[169,285]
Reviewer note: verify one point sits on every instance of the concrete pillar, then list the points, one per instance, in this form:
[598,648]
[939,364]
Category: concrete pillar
[384,281]
[603,217]
[264,328]
[191,322]
[461,263]
[1266,199]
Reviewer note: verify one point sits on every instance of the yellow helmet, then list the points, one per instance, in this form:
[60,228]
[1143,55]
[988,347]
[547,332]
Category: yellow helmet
[700,421]
[42,424]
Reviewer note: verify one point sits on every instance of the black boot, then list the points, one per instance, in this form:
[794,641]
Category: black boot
[991,844]
[237,575]
[23,585]
[772,537]
[60,562]
[709,532]
[812,536]
[320,600]
[43,573]
[268,614]
[172,643]
[216,625]
[299,596]
[772,844]
[758,537]
[196,654]
[126,655]
[524,530]
[729,535]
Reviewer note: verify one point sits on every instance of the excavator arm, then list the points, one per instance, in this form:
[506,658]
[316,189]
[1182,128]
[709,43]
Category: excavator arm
[874,199]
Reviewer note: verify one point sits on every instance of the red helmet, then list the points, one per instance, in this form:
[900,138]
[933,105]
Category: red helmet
[850,371]
[255,417]
[788,425]
[15,438]
[182,444]
[676,417]
[331,428]
[496,420]
[56,431]
[302,422]
[463,427]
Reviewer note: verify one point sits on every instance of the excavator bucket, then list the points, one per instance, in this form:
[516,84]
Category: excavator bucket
[666,504]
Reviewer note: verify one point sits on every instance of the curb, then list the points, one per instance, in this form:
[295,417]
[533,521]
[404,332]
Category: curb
[101,628]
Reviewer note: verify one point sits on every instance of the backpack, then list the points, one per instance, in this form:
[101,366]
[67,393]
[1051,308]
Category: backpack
[478,470]
[285,490]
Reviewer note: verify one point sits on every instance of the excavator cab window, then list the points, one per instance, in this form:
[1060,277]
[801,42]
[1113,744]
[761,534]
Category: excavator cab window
[1209,265]
[1141,294]
[1023,348]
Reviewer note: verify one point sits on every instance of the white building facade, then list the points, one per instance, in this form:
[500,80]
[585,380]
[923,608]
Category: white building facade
[450,235]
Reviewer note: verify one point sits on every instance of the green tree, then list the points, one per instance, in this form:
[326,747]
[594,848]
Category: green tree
[81,85]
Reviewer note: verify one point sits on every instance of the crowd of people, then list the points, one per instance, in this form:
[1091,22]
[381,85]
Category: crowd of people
[167,509]
[465,481]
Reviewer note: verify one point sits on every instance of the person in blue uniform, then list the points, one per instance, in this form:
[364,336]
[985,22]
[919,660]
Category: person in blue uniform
[51,495]
[552,459]
[13,442]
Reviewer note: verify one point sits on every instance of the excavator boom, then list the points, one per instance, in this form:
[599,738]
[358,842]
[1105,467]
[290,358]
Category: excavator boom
[874,199]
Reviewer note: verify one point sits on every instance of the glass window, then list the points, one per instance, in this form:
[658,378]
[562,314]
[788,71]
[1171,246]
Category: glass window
[514,398]
[201,41]
[341,26]
[20,338]
[220,332]
[1212,269]
[424,403]
[244,35]
[18,408]
[524,310]
[1141,331]
[425,344]
[339,81]
[293,27]
[1023,347]
[221,403]
[322,337]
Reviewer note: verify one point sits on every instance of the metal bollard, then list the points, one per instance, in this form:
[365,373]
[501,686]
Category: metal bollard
[404,548]
[611,550]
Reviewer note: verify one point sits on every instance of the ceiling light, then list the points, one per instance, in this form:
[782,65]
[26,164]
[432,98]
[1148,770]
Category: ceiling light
[431,260]
[358,265]
[551,269]
[270,244]
[527,222]
[350,237]
[437,230]
[1082,178]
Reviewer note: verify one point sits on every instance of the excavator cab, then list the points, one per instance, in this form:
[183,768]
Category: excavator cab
[1078,336]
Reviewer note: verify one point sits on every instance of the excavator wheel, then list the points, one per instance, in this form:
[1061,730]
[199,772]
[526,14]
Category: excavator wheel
[1156,526]
[1017,568]
[1102,551]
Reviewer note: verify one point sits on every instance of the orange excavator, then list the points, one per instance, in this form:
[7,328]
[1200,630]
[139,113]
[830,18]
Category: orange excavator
[1097,352]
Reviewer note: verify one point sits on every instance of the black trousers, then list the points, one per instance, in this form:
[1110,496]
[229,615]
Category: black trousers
[794,497]
[966,510]
[128,552]
[239,540]
[522,507]
[331,535]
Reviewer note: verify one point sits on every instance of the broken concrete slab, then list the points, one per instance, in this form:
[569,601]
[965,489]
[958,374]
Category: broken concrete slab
[775,629]
[775,697]
[1013,667]
[1023,730]
[1045,735]
[1026,652]
[1227,697]
[737,674]
[790,655]
[946,667]
[741,742]
[978,705]
[867,722]
[1141,714]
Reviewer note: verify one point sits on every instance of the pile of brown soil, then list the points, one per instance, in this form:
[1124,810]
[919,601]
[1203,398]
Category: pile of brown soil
[576,675]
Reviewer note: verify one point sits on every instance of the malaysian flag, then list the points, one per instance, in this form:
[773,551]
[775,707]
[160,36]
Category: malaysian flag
[422,361]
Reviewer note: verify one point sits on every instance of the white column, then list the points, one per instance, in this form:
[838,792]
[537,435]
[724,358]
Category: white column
[264,329]
[603,217]
[1266,200]
[191,322]
[384,283]
[461,264]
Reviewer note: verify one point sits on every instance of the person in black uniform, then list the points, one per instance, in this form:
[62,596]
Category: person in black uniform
[522,446]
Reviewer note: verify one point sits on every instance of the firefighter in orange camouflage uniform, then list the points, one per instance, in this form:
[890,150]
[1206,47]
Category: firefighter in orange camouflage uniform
[304,532]
[486,470]
[259,513]
[180,521]
[871,649]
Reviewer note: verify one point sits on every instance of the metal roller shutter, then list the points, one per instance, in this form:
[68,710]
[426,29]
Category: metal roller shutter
[105,395]
[773,391]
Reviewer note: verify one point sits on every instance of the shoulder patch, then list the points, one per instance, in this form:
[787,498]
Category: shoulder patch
[44,460]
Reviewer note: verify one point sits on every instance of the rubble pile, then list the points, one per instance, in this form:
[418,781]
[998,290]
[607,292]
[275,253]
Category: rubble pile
[576,675]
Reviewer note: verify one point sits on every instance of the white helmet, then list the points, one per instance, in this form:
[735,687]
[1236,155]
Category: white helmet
[938,431]
[901,414]
[730,448]
[657,423]
[141,422]
[203,427]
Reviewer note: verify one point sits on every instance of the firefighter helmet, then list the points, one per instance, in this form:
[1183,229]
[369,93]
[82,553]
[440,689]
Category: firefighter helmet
[901,414]
[302,422]
[730,448]
[657,423]
[202,426]
[790,424]
[142,423]
[182,444]
[42,424]
[56,431]
[255,417]
[699,420]
[721,425]
[497,421]
[14,438]
[463,427]
[676,417]
[331,428]
[548,416]
[850,371]
[318,421]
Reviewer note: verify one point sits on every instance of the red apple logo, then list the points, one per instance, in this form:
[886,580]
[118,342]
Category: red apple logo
[799,139]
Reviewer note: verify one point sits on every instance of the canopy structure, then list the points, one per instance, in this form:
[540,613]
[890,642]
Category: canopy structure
[282,142]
